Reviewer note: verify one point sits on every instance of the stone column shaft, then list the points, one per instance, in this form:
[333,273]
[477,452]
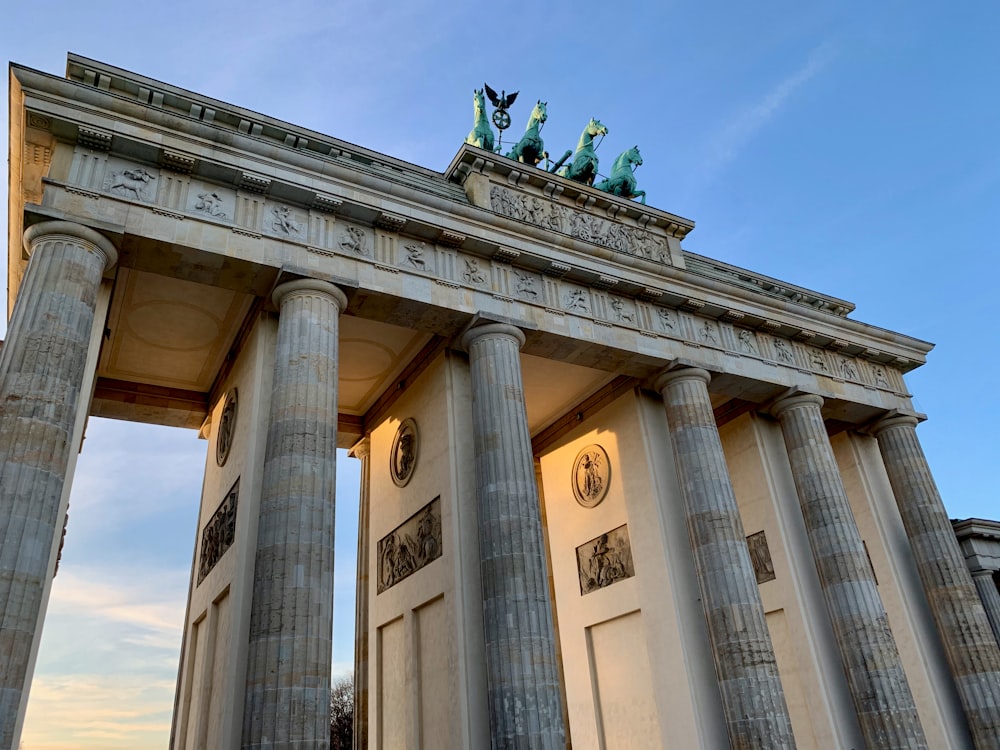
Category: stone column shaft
[42,370]
[291,619]
[886,710]
[990,597]
[752,696]
[522,674]
[969,642]
[362,450]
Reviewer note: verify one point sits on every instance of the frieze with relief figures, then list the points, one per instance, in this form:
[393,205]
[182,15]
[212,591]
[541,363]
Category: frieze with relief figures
[619,237]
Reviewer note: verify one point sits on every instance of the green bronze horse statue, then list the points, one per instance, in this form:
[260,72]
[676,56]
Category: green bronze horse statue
[481,134]
[583,168]
[530,149]
[622,180]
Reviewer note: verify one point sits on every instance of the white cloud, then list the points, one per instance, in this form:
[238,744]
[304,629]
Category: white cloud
[727,143]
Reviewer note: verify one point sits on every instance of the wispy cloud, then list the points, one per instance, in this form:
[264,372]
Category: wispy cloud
[727,143]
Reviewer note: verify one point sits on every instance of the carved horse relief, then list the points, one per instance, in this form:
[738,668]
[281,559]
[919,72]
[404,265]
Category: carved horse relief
[481,134]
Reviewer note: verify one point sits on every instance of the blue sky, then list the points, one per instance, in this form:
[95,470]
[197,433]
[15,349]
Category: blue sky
[849,147]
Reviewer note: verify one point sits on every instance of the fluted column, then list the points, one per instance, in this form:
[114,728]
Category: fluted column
[362,450]
[522,675]
[752,696]
[886,710]
[291,618]
[42,370]
[990,597]
[969,642]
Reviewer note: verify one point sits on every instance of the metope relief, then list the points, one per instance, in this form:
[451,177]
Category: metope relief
[282,221]
[219,533]
[760,556]
[591,475]
[354,242]
[133,183]
[605,560]
[403,456]
[619,237]
[210,203]
[524,285]
[410,546]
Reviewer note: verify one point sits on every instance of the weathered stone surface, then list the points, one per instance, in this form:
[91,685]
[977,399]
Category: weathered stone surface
[882,697]
[969,642]
[42,369]
[291,618]
[362,450]
[522,674]
[752,696]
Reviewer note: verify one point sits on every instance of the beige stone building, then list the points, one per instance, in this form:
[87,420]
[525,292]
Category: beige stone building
[614,493]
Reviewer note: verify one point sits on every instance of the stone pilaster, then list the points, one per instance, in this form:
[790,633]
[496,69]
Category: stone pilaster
[886,710]
[362,450]
[42,369]
[291,618]
[990,597]
[752,696]
[522,674]
[969,642]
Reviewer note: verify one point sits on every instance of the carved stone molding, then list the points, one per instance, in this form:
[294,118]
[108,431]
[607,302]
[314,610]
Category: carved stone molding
[177,162]
[451,239]
[389,222]
[99,140]
[326,203]
[254,183]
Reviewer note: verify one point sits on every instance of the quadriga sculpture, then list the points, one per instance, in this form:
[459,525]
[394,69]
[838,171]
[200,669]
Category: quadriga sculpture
[481,134]
[583,168]
[622,179]
[531,149]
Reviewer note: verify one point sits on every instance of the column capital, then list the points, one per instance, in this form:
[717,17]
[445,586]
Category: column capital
[679,374]
[796,400]
[893,420]
[492,329]
[92,240]
[285,291]
[361,449]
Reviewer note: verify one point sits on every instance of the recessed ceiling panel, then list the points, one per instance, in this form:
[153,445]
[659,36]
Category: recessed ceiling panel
[552,387]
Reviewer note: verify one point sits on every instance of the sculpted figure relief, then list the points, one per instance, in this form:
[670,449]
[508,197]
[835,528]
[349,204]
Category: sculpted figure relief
[354,241]
[135,181]
[605,560]
[413,544]
[210,203]
[619,237]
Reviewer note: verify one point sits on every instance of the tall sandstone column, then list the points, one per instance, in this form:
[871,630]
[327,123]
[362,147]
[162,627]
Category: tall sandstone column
[522,674]
[42,370]
[362,450]
[990,597]
[886,710]
[969,642]
[752,696]
[291,618]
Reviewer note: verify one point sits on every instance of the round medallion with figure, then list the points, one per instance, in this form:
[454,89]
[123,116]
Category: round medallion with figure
[591,475]
[227,429]
[403,457]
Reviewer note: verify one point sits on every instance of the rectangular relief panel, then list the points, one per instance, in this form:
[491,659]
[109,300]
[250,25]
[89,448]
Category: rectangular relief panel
[410,546]
[218,683]
[219,533]
[623,685]
[605,560]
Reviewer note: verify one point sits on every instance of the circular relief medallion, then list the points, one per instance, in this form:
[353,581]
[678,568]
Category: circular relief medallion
[403,458]
[227,429]
[591,475]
